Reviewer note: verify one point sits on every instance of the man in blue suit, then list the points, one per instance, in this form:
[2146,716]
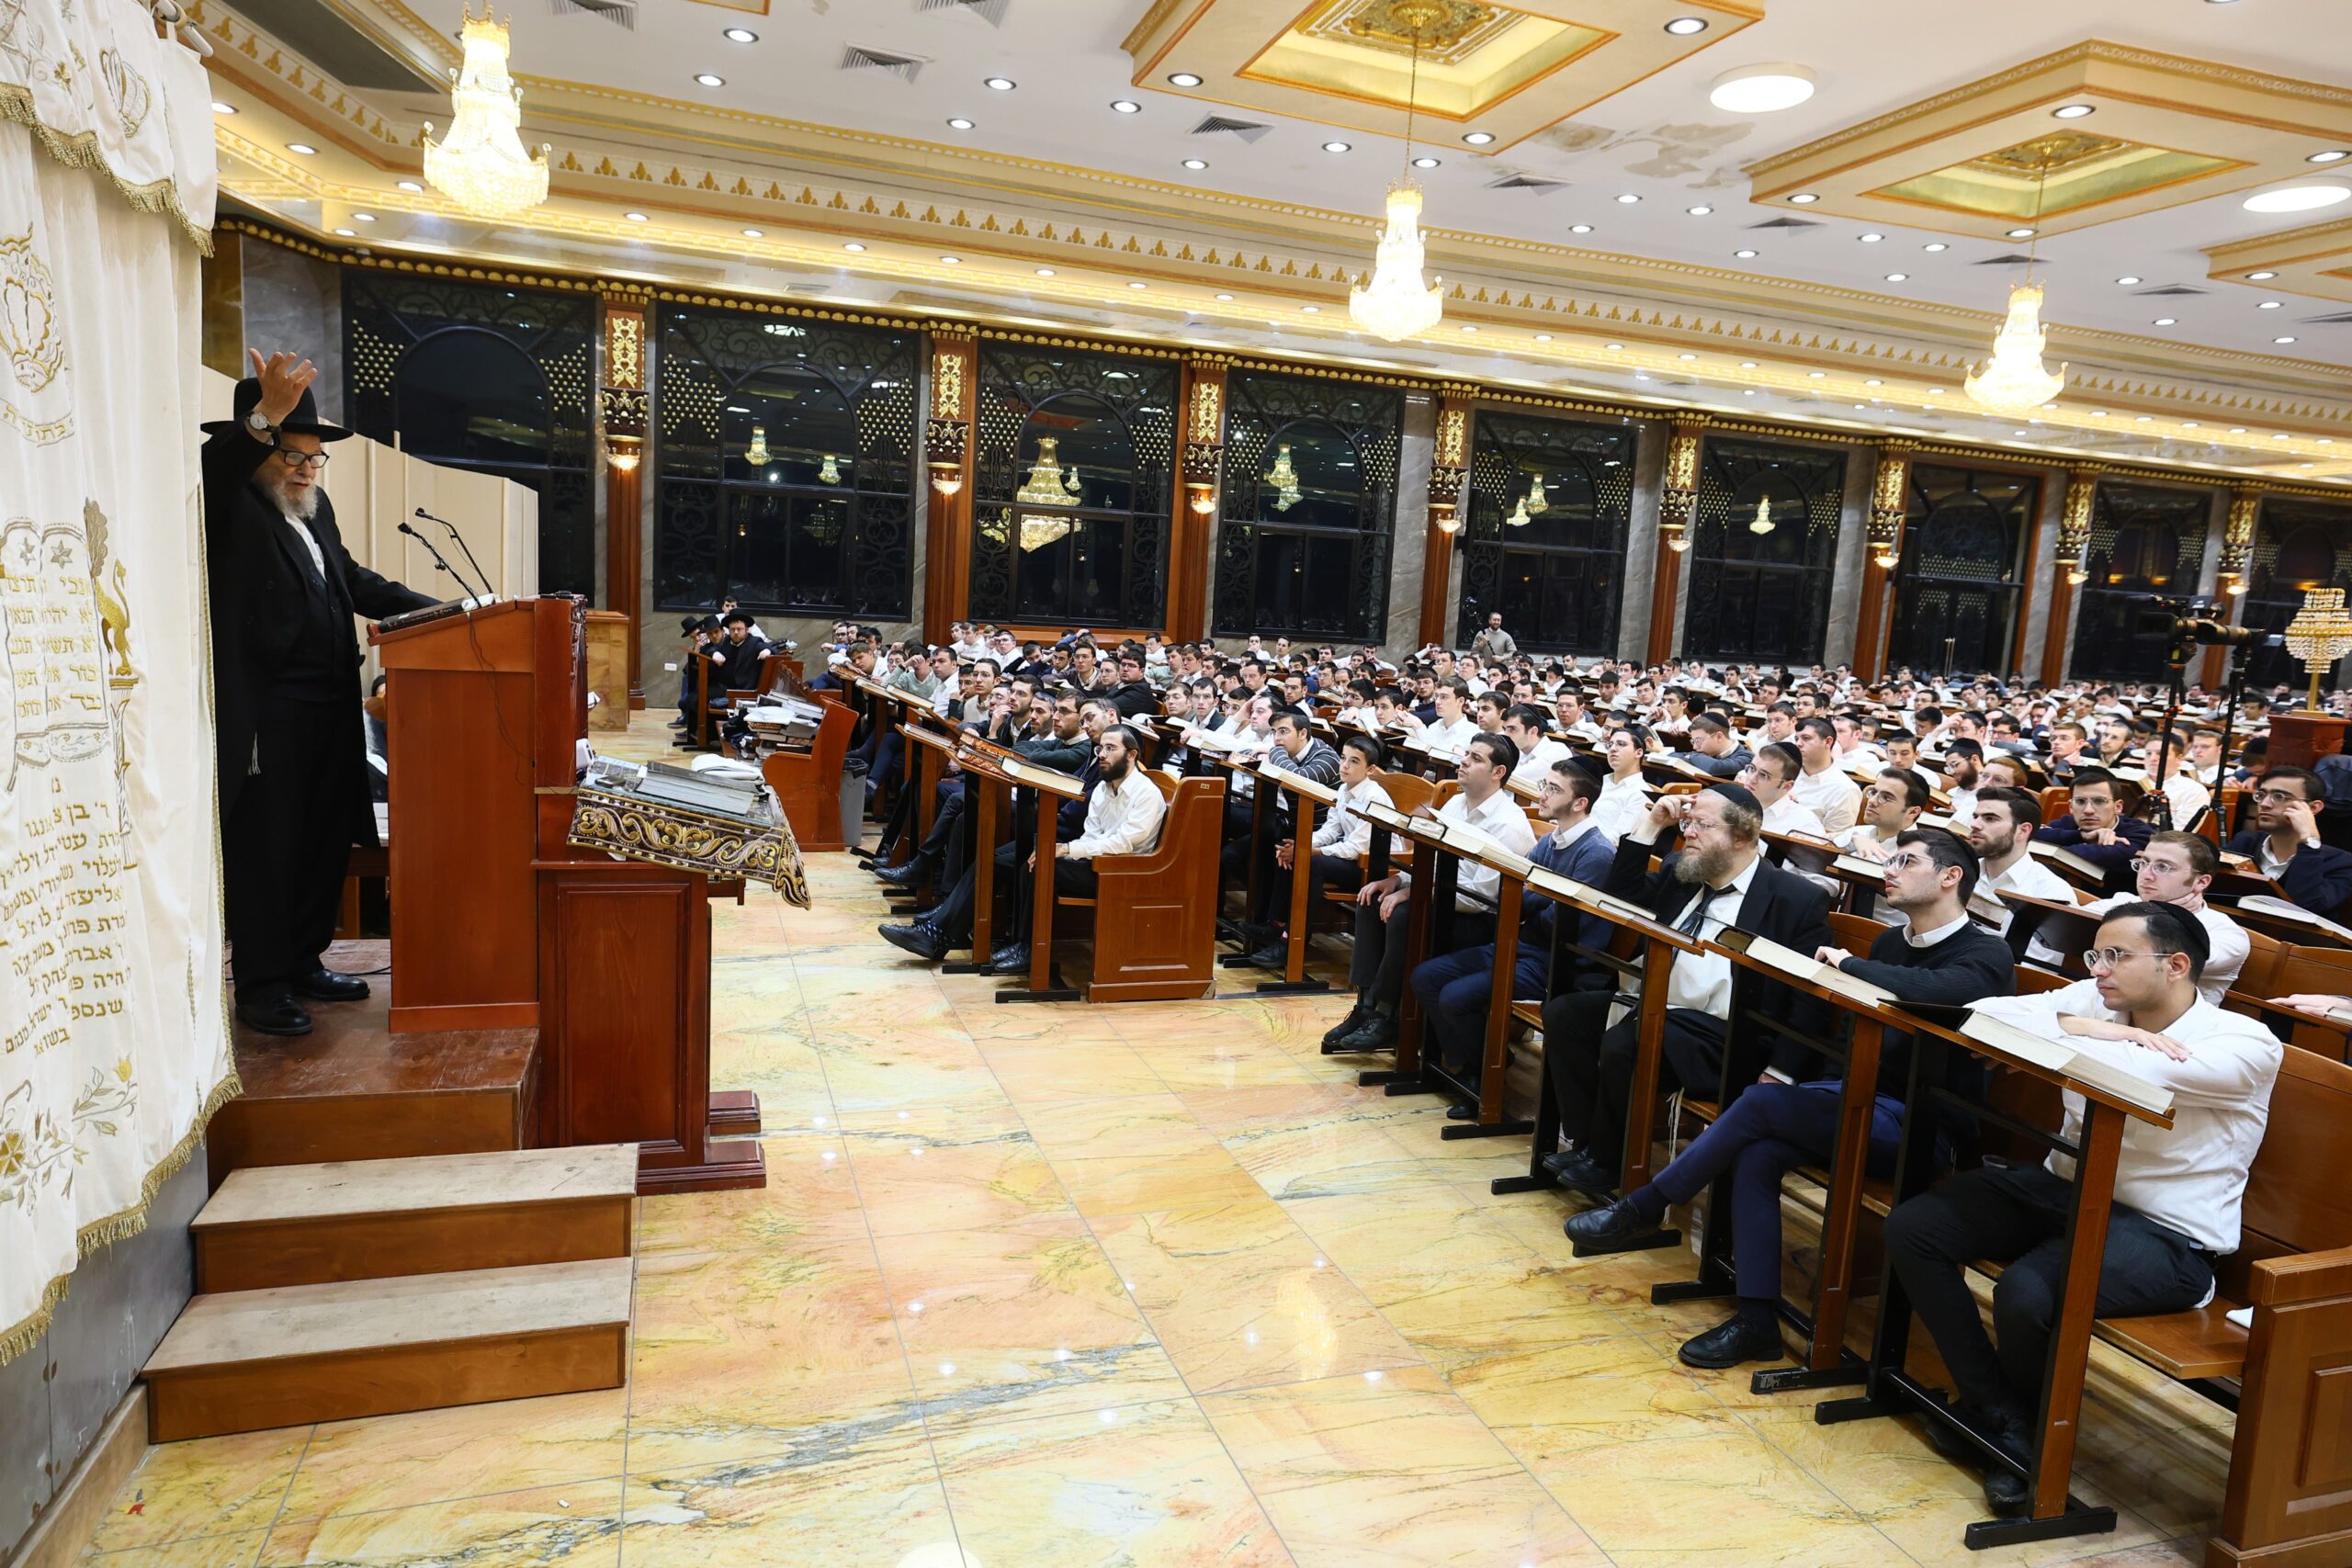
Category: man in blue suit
[2284,842]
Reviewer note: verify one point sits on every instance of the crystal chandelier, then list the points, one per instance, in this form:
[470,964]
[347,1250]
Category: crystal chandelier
[1284,479]
[1046,485]
[1537,503]
[482,164]
[2320,633]
[757,453]
[2014,381]
[831,472]
[1395,304]
[1518,518]
[1762,522]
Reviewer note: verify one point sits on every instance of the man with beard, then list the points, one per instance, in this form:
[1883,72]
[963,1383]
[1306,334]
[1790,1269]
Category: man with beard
[1964,776]
[1716,880]
[292,780]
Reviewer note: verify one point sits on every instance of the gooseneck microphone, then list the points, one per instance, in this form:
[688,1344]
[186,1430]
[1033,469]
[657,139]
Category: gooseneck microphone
[461,543]
[438,559]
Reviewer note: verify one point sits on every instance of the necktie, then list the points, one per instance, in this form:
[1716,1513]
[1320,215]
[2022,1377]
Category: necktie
[1697,916]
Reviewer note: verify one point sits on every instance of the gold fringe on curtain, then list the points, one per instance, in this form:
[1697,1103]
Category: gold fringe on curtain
[79,149]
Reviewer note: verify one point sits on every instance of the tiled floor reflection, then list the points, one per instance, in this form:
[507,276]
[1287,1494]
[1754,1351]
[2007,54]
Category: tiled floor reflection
[1154,1285]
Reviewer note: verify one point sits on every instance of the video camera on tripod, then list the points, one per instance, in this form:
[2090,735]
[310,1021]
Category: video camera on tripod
[2192,622]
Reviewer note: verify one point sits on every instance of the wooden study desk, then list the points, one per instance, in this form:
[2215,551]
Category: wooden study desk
[1306,796]
[1052,788]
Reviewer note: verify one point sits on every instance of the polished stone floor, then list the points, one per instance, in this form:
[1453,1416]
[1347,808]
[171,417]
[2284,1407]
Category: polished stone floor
[1051,1286]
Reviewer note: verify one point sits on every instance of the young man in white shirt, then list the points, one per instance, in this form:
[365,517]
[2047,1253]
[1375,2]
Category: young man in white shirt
[1574,720]
[1624,798]
[2178,1191]
[1857,747]
[1770,777]
[1377,971]
[1523,723]
[2175,868]
[1823,787]
[1451,730]
[2001,831]
[1343,837]
[1891,808]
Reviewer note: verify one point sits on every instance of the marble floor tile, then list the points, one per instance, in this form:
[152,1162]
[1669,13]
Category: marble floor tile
[1563,1399]
[1390,1468]
[1318,1161]
[424,1455]
[559,1527]
[1222,1063]
[878,1505]
[236,1550]
[952,1178]
[1240,1297]
[206,1486]
[1135,1154]
[810,1196]
[1021,1319]
[1119,1488]
[1039,1071]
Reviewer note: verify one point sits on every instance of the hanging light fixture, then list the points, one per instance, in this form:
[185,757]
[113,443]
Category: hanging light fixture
[1537,503]
[2014,382]
[1518,518]
[757,453]
[1395,304]
[830,473]
[1046,486]
[1762,522]
[482,164]
[1202,498]
[1284,479]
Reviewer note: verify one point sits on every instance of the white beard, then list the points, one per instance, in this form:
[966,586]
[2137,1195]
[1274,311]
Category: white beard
[300,510]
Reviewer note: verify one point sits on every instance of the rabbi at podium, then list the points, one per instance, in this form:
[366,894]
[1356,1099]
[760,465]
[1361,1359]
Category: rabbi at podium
[293,776]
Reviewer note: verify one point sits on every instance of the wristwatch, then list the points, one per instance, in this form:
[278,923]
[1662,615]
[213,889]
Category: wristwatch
[258,425]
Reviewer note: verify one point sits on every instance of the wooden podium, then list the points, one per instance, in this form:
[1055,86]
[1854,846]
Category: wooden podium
[499,923]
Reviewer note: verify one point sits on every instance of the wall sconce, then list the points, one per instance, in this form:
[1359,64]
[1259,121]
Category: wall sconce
[947,478]
[622,452]
[1201,498]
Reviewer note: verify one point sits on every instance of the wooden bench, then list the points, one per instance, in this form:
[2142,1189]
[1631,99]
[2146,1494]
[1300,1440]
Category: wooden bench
[807,785]
[1155,913]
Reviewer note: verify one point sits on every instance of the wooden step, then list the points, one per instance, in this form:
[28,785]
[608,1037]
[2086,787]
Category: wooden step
[310,1224]
[248,1359]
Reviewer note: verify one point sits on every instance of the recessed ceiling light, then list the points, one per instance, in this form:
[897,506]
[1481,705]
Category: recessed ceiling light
[2260,277]
[1761,89]
[2282,340]
[1194,163]
[1139,284]
[959,123]
[1045,272]
[853,246]
[2143,419]
[348,233]
[1749,393]
[411,185]
[952,261]
[2333,155]
[2098,414]
[1935,392]
[1312,310]
[2189,424]
[1685,356]
[1478,138]
[1683,27]
[1745,255]
[998,84]
[2127,280]
[1126,106]
[1469,329]
[1898,278]
[1184,79]
[220,108]
[1425,162]
[1874,382]
[2020,233]
[1628,199]
[1871,239]
[755,233]
[2279,437]
[740,35]
[304,148]
[634,216]
[1936,247]
[1698,211]
[1542,337]
[1336,147]
[1804,198]
[2297,198]
[708,80]
[2166,320]
[1616,346]
[2237,430]
[1817,375]
[1225,297]
[1747,364]
[2272,305]
[363,218]
[1579,228]
[2073,112]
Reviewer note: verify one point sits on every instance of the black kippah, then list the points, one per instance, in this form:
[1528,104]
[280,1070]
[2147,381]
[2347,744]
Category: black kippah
[1738,795]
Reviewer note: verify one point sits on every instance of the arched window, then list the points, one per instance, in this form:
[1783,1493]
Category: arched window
[1763,549]
[1306,507]
[786,464]
[1546,511]
[488,378]
[1075,534]
[1956,591]
[2145,543]
[2298,545]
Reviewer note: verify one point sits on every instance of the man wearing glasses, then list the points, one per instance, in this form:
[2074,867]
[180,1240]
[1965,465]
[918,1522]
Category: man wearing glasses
[2175,868]
[2284,841]
[2178,1190]
[293,771]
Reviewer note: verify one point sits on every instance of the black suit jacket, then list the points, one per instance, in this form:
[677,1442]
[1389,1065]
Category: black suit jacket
[1779,907]
[259,579]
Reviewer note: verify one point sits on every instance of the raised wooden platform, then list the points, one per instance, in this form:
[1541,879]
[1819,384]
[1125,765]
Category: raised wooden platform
[307,1224]
[352,1090]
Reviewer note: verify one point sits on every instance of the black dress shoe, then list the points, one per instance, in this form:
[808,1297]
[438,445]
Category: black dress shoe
[1734,1342]
[1579,1172]
[1376,1032]
[2012,1432]
[1611,1223]
[1014,960]
[925,942]
[326,985]
[677,723]
[2006,1494]
[906,876]
[1273,955]
[1347,1026]
[273,1012]
[1462,1111]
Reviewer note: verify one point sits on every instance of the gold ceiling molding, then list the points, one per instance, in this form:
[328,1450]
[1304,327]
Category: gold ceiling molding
[2167,131]
[2314,260]
[349,255]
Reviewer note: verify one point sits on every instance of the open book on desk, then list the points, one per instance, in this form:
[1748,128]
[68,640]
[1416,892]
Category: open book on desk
[1847,865]
[2281,908]
[1802,966]
[1584,895]
[1463,839]
[2057,1057]
[1298,784]
[2069,861]
[1041,778]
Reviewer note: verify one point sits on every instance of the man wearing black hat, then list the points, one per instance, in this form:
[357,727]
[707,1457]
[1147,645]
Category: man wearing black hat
[293,777]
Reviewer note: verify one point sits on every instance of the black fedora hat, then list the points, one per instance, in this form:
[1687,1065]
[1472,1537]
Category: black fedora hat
[303,421]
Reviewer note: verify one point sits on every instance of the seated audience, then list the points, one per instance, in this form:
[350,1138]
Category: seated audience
[2284,842]
[2175,868]
[2095,826]
[1713,749]
[1771,776]
[1823,787]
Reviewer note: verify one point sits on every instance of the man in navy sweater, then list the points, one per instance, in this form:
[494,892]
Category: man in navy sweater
[2095,828]
[1455,987]
[1939,956]
[2284,841]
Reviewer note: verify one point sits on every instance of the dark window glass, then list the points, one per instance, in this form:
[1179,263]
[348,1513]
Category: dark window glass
[1956,594]
[2144,542]
[1552,559]
[1763,595]
[2299,545]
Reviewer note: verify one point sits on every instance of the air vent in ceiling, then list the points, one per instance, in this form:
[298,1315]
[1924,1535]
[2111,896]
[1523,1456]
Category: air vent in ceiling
[2171,291]
[319,35]
[2341,319]
[1525,182]
[905,67]
[2015,258]
[992,11]
[1786,223]
[1218,124]
[620,13]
